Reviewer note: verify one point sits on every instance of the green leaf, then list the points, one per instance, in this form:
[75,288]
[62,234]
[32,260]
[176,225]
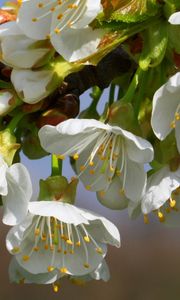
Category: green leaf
[155,44]
[134,10]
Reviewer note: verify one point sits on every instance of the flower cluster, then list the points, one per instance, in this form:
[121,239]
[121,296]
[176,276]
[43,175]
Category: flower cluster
[52,52]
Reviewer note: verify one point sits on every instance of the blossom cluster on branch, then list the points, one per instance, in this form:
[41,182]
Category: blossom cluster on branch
[51,52]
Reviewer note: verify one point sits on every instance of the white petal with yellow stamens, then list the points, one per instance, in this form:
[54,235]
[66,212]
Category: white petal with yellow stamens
[160,185]
[75,239]
[101,151]
[166,108]
[65,22]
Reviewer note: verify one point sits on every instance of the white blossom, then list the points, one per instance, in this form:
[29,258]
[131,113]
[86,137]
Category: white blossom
[65,23]
[174,19]
[101,151]
[57,235]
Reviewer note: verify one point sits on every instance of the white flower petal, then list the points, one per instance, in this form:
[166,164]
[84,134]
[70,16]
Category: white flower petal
[175,18]
[159,188]
[29,10]
[102,272]
[135,181]
[31,85]
[113,198]
[15,203]
[3,180]
[165,104]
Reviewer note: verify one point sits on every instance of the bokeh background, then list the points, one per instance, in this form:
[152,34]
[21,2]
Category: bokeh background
[146,267]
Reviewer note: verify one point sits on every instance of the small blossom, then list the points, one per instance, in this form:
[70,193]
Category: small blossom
[16,191]
[166,109]
[65,23]
[101,151]
[160,191]
[57,235]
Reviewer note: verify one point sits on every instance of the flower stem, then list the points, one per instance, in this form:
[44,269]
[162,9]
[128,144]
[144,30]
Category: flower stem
[56,165]
[95,95]
[141,92]
[14,122]
[128,97]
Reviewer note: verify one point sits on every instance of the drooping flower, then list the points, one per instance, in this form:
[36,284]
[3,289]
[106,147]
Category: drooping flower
[160,191]
[166,109]
[65,23]
[101,151]
[57,235]
[174,19]
[16,191]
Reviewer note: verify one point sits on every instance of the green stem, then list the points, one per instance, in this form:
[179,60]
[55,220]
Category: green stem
[95,95]
[56,165]
[111,94]
[128,97]
[14,122]
[141,92]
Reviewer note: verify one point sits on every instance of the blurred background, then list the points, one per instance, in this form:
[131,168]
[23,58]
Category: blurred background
[146,267]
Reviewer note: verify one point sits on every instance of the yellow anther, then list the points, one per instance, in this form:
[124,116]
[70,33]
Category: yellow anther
[76,156]
[59,17]
[59,250]
[92,172]
[26,258]
[112,169]
[177,116]
[118,173]
[34,19]
[78,244]
[161,216]
[56,288]
[36,249]
[57,30]
[72,5]
[69,242]
[70,24]
[37,231]
[88,187]
[50,268]
[52,8]
[146,219]
[52,247]
[64,270]
[87,239]
[99,250]
[172,203]
[40,5]
[64,237]
[59,2]
[103,157]
[82,168]
[48,36]
[91,163]
[65,252]
[173,125]
[59,156]
[86,266]
[15,250]
[46,247]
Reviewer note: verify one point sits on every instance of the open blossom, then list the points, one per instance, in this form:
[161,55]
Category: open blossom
[101,151]
[160,191]
[57,235]
[16,191]
[65,23]
[166,109]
